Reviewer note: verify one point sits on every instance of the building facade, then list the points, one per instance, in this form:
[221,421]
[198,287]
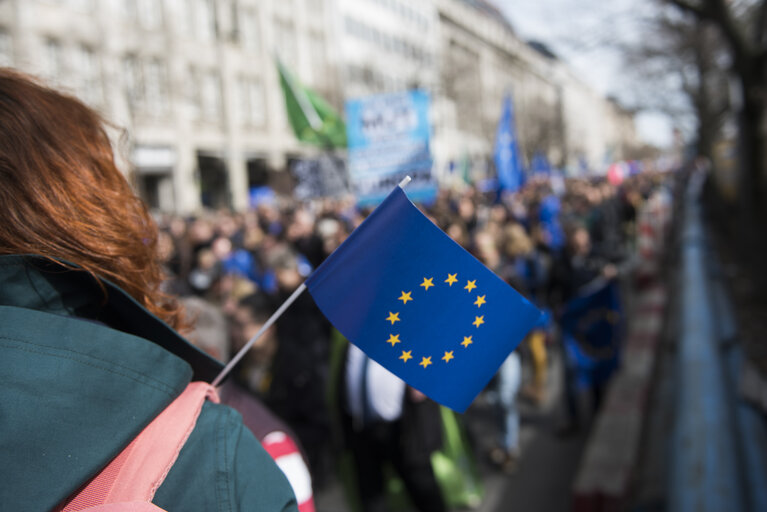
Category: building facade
[193,83]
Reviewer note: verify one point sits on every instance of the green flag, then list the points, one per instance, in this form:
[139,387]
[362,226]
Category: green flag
[312,118]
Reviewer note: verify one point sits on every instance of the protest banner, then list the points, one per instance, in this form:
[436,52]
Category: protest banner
[388,137]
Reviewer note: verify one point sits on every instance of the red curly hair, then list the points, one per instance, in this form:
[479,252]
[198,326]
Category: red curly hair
[62,196]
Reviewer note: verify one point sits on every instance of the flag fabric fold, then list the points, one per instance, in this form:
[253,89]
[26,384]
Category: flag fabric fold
[312,119]
[420,305]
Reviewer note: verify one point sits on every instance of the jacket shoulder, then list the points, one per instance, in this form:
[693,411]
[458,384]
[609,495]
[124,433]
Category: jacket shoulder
[223,467]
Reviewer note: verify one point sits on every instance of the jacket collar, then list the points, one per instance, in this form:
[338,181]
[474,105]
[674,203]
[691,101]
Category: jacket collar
[34,282]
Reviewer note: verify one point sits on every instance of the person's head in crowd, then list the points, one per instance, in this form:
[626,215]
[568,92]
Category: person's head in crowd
[332,232]
[487,250]
[252,237]
[177,227]
[458,232]
[580,241]
[269,219]
[499,214]
[201,232]
[204,277]
[165,246]
[608,191]
[466,210]
[221,248]
[516,242]
[301,225]
[227,225]
[63,197]
[284,262]
[250,315]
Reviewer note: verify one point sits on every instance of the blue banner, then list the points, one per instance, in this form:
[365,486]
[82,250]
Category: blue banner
[388,138]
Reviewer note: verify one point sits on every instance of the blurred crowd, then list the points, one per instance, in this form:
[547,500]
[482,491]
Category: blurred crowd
[232,270]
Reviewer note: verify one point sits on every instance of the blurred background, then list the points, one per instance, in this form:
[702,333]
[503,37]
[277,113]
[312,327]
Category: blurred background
[620,140]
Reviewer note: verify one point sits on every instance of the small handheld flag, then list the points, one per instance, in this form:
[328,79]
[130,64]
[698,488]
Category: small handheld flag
[420,305]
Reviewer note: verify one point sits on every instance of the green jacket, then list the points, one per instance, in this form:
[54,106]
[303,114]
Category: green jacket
[82,376]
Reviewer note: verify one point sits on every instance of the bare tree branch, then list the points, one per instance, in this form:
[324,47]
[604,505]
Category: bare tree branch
[718,12]
[696,9]
[760,34]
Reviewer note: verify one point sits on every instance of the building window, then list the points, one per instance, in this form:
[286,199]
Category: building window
[133,88]
[210,97]
[53,62]
[285,37]
[6,48]
[252,106]
[205,20]
[249,32]
[146,86]
[149,14]
[155,88]
[317,59]
[88,75]
[180,13]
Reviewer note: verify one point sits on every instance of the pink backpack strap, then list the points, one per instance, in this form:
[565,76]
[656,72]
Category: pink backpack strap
[139,470]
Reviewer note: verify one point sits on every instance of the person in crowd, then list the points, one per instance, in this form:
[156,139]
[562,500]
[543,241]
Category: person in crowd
[91,350]
[386,421]
[578,267]
[299,369]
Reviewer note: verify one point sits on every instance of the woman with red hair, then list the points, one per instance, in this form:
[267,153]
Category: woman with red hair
[89,348]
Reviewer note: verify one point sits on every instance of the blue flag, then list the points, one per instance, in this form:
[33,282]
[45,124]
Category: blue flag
[540,165]
[548,216]
[592,328]
[508,164]
[420,305]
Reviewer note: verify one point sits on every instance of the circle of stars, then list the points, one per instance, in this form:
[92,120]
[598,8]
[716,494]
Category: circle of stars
[407,296]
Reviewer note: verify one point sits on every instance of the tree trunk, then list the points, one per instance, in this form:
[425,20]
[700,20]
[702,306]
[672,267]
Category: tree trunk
[752,158]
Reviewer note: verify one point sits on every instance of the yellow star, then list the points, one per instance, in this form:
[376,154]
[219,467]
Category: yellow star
[480,300]
[425,361]
[478,320]
[470,285]
[466,341]
[427,283]
[393,339]
[405,297]
[448,356]
[451,279]
[406,354]
[393,317]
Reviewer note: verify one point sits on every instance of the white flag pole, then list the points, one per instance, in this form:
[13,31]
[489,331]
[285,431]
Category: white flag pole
[277,314]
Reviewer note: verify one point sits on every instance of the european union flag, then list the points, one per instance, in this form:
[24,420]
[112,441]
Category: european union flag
[420,305]
[592,329]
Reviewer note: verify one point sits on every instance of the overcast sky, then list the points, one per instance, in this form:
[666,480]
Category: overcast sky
[581,33]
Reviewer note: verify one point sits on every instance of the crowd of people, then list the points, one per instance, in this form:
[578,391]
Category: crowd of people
[232,270]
